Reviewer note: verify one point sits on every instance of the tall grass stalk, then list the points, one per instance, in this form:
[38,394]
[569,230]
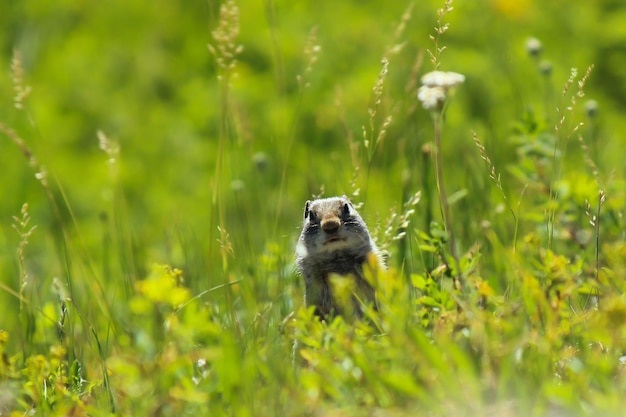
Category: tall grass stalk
[27,319]
[117,229]
[564,115]
[225,50]
[495,176]
[594,221]
[22,92]
[440,29]
[426,153]
[311,53]
[601,199]
[105,372]
[271,15]
[374,135]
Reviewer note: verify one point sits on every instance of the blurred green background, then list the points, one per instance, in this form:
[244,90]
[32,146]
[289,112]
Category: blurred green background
[141,73]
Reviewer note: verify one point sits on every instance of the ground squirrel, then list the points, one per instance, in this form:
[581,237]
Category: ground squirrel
[333,246]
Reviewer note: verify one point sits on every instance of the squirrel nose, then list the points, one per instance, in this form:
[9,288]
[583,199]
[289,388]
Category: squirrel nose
[330,225]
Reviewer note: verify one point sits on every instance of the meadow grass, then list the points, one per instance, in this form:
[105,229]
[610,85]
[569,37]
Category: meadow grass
[148,248]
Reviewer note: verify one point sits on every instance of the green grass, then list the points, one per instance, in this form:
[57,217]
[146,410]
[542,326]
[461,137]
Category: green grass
[153,189]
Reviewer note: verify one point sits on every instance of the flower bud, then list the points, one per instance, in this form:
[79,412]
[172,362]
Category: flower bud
[533,47]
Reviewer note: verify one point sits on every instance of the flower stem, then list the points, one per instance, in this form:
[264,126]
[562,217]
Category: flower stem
[443,197]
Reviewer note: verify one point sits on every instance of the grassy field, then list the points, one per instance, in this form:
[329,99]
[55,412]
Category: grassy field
[156,158]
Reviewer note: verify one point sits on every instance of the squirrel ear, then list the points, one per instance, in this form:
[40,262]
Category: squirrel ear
[306,208]
[345,197]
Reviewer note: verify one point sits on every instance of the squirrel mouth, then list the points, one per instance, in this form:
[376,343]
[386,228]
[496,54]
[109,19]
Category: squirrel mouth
[333,239]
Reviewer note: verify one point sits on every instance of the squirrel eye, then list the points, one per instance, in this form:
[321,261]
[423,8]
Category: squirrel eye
[310,214]
[345,211]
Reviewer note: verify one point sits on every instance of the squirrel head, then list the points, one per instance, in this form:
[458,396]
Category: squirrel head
[333,224]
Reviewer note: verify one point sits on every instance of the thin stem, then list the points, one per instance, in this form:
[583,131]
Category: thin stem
[601,198]
[217,204]
[443,197]
[519,203]
[290,142]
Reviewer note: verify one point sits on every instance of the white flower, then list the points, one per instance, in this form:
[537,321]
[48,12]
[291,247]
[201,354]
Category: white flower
[434,90]
[432,98]
[443,79]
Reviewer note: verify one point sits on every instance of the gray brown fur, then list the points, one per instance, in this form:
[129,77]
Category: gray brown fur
[334,240]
